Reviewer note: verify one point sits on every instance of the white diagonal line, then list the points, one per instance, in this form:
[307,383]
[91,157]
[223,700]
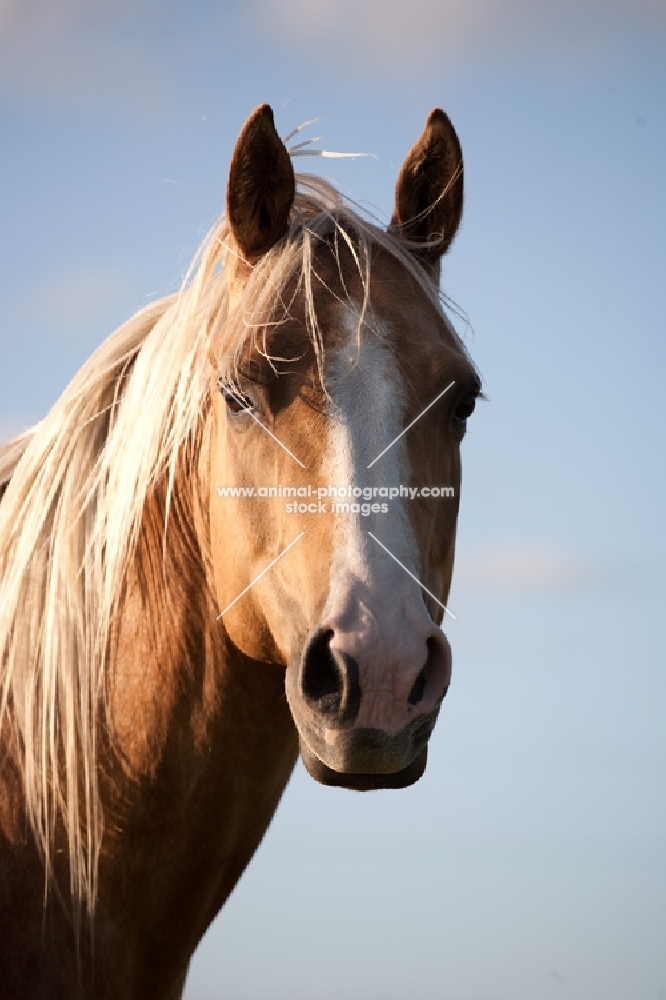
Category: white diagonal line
[257,578]
[409,572]
[258,421]
[407,428]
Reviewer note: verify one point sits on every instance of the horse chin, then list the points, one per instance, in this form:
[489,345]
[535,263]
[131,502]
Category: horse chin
[325,775]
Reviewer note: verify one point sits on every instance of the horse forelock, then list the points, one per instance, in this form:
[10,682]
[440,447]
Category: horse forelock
[284,285]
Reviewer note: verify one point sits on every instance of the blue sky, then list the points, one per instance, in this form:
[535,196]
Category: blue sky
[528,863]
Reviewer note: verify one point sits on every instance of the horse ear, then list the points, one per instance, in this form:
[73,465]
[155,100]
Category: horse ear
[261,186]
[429,190]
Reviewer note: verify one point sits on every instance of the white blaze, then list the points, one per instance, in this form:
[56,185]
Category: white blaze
[375,608]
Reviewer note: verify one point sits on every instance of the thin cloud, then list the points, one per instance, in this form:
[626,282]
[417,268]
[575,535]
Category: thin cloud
[525,567]
[78,51]
[69,303]
[432,34]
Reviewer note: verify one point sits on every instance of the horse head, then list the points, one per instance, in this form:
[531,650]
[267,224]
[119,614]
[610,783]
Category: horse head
[341,394]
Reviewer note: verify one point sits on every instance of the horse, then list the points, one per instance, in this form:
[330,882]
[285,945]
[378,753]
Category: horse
[179,618]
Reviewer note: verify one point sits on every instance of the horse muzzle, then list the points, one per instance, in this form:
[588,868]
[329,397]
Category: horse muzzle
[352,743]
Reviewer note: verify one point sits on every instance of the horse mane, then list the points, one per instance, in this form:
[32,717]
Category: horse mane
[11,454]
[76,487]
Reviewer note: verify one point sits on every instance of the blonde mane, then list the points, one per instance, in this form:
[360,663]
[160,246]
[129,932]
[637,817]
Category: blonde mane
[78,484]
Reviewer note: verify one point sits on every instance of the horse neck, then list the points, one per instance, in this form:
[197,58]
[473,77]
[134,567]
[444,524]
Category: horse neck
[163,643]
[183,703]
[202,740]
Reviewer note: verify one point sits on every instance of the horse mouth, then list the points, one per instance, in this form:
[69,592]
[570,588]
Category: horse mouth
[362,782]
[365,759]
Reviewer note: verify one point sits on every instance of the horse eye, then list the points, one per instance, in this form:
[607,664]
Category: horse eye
[463,410]
[236,402]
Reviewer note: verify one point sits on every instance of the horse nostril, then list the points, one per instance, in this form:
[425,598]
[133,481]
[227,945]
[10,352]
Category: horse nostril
[321,679]
[418,688]
[330,680]
[429,675]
